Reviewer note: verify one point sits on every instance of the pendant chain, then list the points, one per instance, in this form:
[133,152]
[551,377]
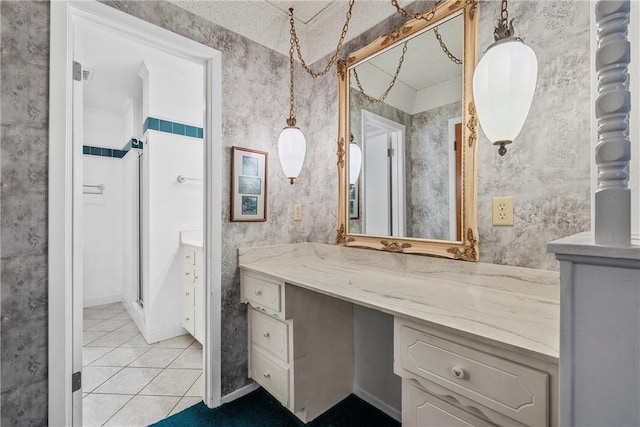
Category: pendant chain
[445,49]
[427,16]
[295,41]
[291,121]
[393,82]
[504,14]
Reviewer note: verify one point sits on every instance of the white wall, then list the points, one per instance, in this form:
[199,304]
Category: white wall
[104,128]
[172,207]
[173,92]
[103,235]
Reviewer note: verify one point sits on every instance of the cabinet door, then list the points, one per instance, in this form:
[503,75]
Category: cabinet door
[198,286]
[420,408]
[188,319]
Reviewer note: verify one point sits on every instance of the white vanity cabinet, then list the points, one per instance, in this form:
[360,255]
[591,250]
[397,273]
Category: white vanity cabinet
[300,344]
[452,380]
[193,291]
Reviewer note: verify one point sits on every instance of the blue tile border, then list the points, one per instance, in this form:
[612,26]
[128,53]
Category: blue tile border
[110,152]
[153,123]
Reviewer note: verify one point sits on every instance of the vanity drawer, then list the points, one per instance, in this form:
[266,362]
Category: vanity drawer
[188,319]
[420,408]
[188,273]
[509,388]
[261,291]
[270,374]
[188,256]
[270,334]
[188,295]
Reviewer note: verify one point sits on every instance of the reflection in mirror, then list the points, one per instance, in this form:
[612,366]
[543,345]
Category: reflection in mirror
[405,114]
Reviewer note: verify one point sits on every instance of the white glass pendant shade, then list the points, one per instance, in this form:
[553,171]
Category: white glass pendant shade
[292,147]
[355,163]
[503,85]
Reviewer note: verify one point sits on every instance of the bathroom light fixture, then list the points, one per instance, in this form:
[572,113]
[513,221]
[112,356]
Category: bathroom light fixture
[355,161]
[504,83]
[292,144]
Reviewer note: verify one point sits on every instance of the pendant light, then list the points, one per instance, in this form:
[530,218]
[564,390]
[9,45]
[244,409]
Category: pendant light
[504,83]
[292,144]
[355,162]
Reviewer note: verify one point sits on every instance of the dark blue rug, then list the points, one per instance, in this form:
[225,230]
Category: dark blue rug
[259,408]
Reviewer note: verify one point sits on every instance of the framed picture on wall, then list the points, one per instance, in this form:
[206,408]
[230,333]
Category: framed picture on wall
[248,185]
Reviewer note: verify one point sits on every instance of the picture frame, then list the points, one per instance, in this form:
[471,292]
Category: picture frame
[354,201]
[248,185]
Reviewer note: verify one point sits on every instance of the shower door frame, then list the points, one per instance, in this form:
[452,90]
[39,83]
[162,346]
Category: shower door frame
[65,195]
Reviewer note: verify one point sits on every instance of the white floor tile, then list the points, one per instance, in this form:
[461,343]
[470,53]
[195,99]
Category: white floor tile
[98,408]
[90,354]
[89,336]
[87,323]
[93,313]
[109,325]
[143,410]
[196,344]
[122,315]
[121,356]
[113,339]
[137,341]
[185,402]
[93,376]
[171,382]
[182,341]
[112,306]
[129,326]
[128,381]
[191,358]
[157,358]
[197,389]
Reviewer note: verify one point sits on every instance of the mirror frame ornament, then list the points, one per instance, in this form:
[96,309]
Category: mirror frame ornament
[466,248]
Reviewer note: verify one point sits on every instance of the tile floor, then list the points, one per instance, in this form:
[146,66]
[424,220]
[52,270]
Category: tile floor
[127,382]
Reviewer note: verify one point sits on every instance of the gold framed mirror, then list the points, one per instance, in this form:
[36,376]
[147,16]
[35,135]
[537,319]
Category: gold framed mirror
[406,110]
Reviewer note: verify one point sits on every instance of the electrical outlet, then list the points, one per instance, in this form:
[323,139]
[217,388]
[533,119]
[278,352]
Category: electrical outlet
[297,212]
[503,210]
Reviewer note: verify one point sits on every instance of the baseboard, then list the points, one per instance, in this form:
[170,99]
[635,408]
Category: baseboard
[92,302]
[239,393]
[394,413]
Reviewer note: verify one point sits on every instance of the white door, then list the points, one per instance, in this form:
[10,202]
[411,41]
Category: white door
[77,119]
[377,186]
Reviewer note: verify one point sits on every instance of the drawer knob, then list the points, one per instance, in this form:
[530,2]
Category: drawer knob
[258,292]
[188,294]
[267,375]
[266,334]
[187,319]
[195,277]
[186,274]
[458,372]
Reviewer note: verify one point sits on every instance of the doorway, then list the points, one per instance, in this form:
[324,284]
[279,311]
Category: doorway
[66,199]
[383,176]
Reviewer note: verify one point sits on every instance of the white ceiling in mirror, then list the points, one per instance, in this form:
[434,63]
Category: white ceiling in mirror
[427,79]
[318,22]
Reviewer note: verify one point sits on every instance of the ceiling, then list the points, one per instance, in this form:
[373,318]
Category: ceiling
[318,22]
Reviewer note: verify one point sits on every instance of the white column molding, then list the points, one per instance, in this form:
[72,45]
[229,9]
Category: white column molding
[613,197]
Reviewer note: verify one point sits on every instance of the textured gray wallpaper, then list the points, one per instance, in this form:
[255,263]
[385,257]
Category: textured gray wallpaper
[430,149]
[546,169]
[24,71]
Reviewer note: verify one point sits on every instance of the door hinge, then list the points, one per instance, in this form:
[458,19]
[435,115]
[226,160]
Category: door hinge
[77,71]
[391,152]
[76,381]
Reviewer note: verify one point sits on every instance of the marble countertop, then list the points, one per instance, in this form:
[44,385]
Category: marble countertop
[191,237]
[509,306]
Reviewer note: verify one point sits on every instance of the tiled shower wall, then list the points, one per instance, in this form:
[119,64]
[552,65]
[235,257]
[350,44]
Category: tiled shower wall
[547,168]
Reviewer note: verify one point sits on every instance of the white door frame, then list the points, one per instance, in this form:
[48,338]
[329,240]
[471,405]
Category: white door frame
[63,191]
[398,202]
